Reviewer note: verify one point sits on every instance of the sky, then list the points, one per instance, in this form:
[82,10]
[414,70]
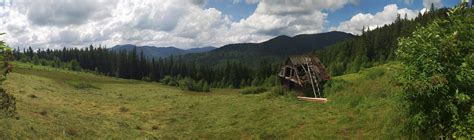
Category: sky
[190,23]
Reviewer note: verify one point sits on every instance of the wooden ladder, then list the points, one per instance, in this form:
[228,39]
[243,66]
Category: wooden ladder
[313,78]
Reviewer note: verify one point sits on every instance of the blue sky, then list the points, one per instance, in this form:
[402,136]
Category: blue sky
[190,23]
[242,10]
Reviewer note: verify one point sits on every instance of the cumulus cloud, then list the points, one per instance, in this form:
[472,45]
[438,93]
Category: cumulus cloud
[282,17]
[183,23]
[61,13]
[372,21]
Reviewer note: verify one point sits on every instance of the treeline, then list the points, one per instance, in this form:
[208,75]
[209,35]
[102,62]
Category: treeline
[375,46]
[134,65]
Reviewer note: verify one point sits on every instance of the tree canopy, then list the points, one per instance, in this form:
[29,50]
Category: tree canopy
[437,76]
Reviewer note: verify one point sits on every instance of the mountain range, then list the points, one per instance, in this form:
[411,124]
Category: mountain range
[274,50]
[156,52]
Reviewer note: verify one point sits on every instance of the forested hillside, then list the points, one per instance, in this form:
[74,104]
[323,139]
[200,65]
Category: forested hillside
[133,65]
[273,51]
[373,47]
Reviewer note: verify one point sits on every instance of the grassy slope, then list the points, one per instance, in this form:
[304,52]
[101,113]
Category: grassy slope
[359,107]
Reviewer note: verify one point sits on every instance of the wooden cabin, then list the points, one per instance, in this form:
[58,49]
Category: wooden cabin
[305,74]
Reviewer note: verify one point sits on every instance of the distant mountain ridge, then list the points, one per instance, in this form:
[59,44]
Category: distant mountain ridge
[275,49]
[157,52]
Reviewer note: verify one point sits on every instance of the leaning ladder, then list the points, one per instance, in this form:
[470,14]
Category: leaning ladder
[312,79]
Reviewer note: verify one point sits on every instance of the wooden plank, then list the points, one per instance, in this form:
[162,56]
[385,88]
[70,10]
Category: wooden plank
[309,99]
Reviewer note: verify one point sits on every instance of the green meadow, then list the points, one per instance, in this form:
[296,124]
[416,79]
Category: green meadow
[54,103]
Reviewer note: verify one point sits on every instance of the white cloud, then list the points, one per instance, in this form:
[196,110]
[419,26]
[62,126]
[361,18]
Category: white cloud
[62,13]
[372,21]
[281,17]
[183,23]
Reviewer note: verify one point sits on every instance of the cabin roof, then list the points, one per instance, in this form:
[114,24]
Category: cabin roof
[310,60]
[298,60]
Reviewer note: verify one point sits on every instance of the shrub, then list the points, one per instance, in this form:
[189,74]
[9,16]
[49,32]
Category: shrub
[191,85]
[206,88]
[437,77]
[146,78]
[253,90]
[75,66]
[7,101]
[170,81]
[7,104]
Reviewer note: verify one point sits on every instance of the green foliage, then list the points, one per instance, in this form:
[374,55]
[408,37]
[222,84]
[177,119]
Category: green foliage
[373,47]
[253,90]
[36,59]
[7,104]
[191,85]
[4,49]
[7,101]
[74,65]
[438,76]
[170,81]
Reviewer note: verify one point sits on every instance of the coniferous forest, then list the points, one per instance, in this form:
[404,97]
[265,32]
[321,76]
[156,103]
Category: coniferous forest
[134,65]
[374,46]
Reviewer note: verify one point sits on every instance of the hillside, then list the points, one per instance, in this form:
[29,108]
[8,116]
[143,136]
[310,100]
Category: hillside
[54,103]
[156,52]
[274,50]
[373,47]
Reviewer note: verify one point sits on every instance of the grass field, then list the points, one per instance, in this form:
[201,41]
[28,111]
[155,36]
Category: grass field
[54,103]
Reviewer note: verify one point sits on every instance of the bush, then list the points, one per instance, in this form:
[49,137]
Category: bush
[74,65]
[253,90]
[7,104]
[170,81]
[191,85]
[7,101]
[437,77]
